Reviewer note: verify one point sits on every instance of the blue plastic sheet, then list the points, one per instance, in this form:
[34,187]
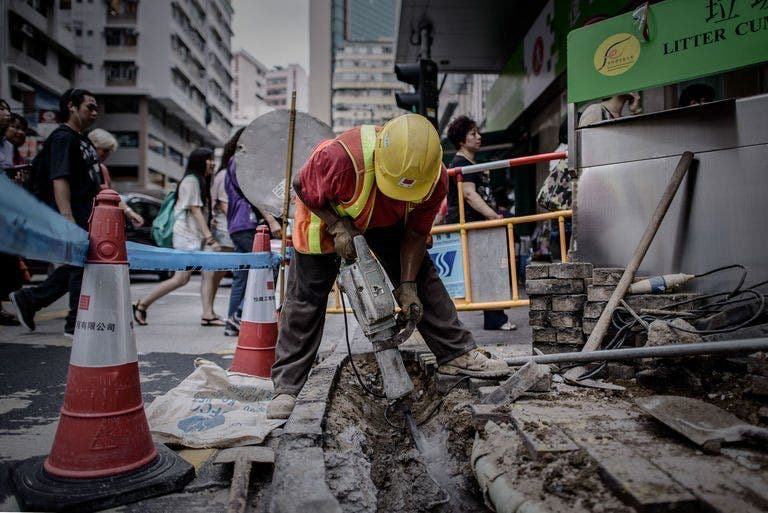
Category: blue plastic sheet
[31,229]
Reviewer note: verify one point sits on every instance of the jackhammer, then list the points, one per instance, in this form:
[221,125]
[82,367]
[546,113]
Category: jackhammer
[374,306]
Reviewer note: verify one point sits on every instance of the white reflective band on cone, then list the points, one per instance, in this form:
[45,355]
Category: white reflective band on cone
[104,327]
[259,304]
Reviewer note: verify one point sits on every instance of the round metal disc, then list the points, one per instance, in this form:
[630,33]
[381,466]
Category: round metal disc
[261,156]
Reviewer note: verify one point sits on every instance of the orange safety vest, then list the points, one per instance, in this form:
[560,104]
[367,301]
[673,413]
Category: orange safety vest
[310,234]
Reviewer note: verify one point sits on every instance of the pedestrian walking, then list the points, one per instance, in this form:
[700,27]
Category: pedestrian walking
[11,273]
[386,183]
[66,175]
[479,203]
[190,233]
[106,144]
[242,220]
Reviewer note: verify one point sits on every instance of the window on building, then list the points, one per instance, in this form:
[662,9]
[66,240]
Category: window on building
[66,67]
[156,145]
[120,72]
[122,9]
[126,139]
[65,5]
[128,173]
[37,49]
[40,6]
[175,155]
[120,36]
[119,104]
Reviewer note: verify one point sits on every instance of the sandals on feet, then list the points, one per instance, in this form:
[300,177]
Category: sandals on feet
[139,314]
[213,321]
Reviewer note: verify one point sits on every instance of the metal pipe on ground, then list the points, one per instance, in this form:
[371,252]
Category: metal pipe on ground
[750,345]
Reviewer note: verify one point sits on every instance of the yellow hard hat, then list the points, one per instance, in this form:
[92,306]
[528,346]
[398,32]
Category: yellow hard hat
[408,158]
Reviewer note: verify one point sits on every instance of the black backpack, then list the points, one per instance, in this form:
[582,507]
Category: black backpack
[38,181]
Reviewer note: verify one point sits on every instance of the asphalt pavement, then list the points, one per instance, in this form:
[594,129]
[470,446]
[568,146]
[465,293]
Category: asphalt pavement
[33,367]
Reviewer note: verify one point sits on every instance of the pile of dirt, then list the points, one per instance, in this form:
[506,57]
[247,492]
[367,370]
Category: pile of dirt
[372,464]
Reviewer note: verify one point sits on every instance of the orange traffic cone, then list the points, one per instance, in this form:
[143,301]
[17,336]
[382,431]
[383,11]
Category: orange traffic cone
[255,352]
[103,433]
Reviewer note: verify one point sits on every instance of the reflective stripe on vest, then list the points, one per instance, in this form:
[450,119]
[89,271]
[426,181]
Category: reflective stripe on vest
[368,139]
[356,206]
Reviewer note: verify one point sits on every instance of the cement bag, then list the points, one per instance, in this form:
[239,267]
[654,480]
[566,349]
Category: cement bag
[213,408]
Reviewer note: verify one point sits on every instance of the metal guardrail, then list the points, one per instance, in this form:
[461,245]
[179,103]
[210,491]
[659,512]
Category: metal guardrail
[466,303]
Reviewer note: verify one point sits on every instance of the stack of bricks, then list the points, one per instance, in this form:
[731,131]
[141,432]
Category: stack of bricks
[557,294]
[603,283]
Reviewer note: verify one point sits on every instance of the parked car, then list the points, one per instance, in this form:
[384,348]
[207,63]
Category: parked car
[147,207]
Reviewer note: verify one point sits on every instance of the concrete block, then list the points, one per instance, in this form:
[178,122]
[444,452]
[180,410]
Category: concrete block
[570,336]
[544,334]
[306,421]
[539,303]
[543,384]
[538,318]
[541,437]
[588,325]
[482,413]
[554,286]
[592,310]
[607,275]
[571,303]
[319,384]
[574,270]
[662,333]
[598,293]
[565,319]
[298,482]
[535,271]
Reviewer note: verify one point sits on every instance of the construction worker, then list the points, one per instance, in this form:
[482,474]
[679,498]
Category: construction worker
[386,183]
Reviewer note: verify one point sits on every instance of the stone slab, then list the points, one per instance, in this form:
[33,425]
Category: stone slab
[482,413]
[570,336]
[539,318]
[570,303]
[298,483]
[588,325]
[599,293]
[319,384]
[565,320]
[571,270]
[538,303]
[535,271]
[554,286]
[717,491]
[607,275]
[306,421]
[541,437]
[638,481]
[541,334]
[593,309]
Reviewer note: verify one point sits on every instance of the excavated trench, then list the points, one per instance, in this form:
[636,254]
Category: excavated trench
[372,466]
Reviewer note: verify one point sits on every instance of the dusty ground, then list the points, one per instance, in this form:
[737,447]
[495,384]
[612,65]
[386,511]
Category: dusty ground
[387,472]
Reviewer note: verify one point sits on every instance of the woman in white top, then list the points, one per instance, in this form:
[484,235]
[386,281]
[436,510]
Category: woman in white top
[190,233]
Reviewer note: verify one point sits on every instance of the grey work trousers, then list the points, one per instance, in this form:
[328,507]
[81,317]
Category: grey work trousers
[303,314]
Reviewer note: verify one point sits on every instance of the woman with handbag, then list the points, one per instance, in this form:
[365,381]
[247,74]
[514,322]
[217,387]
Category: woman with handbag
[190,233]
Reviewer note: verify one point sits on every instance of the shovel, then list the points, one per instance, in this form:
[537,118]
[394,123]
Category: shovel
[704,424]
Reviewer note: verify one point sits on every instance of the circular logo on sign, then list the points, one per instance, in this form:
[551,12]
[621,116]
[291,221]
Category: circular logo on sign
[617,54]
[538,55]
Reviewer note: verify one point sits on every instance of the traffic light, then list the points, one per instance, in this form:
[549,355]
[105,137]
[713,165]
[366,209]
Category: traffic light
[423,77]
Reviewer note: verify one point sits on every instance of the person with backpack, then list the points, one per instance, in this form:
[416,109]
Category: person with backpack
[190,233]
[66,175]
[242,220]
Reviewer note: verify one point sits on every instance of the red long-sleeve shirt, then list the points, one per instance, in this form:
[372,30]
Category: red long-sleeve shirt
[329,176]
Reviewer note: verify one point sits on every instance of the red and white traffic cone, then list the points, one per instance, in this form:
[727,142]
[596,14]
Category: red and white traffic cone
[255,352]
[103,433]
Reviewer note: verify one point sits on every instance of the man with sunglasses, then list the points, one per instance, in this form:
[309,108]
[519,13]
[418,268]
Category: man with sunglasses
[67,176]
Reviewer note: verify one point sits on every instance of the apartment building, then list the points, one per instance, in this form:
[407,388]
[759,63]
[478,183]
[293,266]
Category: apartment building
[248,88]
[282,81]
[364,85]
[161,71]
[38,61]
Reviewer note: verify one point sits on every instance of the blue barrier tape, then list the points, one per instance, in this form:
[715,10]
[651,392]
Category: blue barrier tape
[33,230]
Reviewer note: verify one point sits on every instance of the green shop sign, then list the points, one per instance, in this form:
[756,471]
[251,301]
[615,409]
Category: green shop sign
[687,39]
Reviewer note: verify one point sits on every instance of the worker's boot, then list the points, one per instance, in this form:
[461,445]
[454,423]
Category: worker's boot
[475,364]
[281,406]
